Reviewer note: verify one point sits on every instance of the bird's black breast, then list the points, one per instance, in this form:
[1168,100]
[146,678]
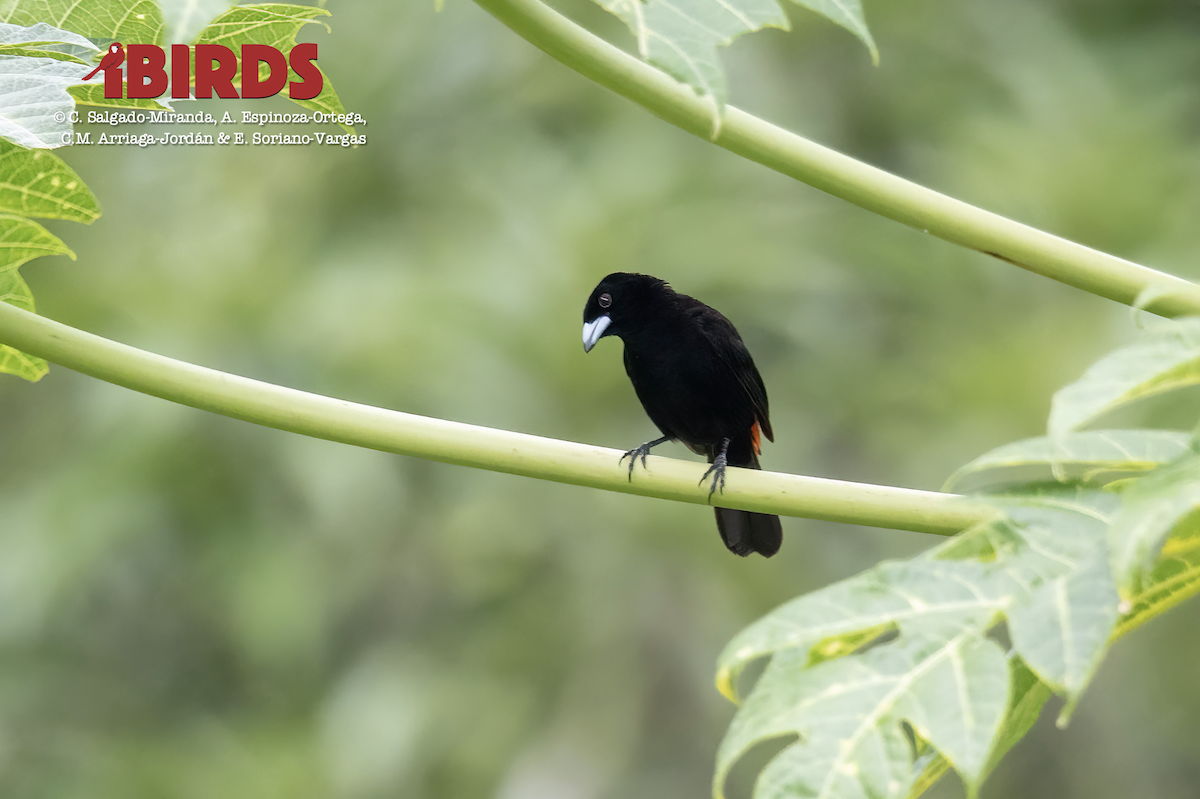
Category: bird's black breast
[689,388]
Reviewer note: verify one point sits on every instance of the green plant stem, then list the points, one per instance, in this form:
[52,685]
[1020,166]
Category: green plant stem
[470,445]
[842,176]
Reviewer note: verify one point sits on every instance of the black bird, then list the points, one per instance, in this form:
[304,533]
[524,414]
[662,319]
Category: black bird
[697,382]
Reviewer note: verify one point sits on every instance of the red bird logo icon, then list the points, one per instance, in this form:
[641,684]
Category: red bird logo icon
[114,56]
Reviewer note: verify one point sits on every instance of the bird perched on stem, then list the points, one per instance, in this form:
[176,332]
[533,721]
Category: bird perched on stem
[698,384]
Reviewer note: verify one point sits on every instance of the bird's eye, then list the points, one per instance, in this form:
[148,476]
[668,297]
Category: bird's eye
[605,300]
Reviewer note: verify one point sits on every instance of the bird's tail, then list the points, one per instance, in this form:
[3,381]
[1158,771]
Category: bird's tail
[744,531]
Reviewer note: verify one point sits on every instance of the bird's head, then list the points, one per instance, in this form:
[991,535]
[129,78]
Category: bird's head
[618,302]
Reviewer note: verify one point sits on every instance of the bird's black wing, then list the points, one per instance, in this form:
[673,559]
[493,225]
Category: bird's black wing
[732,352]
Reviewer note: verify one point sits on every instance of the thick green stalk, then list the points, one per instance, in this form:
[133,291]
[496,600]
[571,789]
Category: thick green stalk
[842,176]
[469,445]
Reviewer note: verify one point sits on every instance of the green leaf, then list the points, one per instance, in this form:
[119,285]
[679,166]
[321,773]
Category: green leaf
[1162,364]
[848,14]
[1053,546]
[20,241]
[941,675]
[38,104]
[14,291]
[327,102]
[930,768]
[34,103]
[682,36]
[1175,578]
[126,21]
[1093,458]
[186,18]
[1027,695]
[34,50]
[40,184]
[1154,508]
[908,642]
[841,644]
[44,41]
[93,94]
[1061,623]
[274,24]
[35,107]
[877,600]
[946,680]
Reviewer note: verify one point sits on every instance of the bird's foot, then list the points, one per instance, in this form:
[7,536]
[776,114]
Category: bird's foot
[641,452]
[717,470]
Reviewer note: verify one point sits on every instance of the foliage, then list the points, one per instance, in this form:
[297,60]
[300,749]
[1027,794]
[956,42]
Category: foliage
[273,24]
[1094,458]
[186,18]
[41,71]
[481,628]
[119,20]
[1153,372]
[33,183]
[681,37]
[898,662]
[37,66]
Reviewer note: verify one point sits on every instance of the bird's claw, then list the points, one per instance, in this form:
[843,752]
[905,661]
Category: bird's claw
[717,470]
[633,455]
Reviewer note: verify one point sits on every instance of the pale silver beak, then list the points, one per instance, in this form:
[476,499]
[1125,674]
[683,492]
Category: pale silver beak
[593,330]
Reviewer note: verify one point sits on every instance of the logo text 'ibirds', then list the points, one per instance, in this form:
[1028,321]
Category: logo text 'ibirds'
[215,68]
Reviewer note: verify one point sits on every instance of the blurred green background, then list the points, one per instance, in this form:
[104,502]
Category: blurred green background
[194,607]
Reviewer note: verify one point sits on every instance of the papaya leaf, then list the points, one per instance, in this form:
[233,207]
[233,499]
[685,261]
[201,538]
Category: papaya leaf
[126,21]
[274,24]
[1175,577]
[1027,695]
[40,103]
[40,184]
[849,710]
[946,680]
[1161,372]
[14,291]
[1092,458]
[44,41]
[930,767]
[877,600]
[35,108]
[1042,566]
[36,50]
[186,18]
[20,241]
[681,37]
[1061,623]
[327,102]
[848,14]
[93,94]
[1162,505]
